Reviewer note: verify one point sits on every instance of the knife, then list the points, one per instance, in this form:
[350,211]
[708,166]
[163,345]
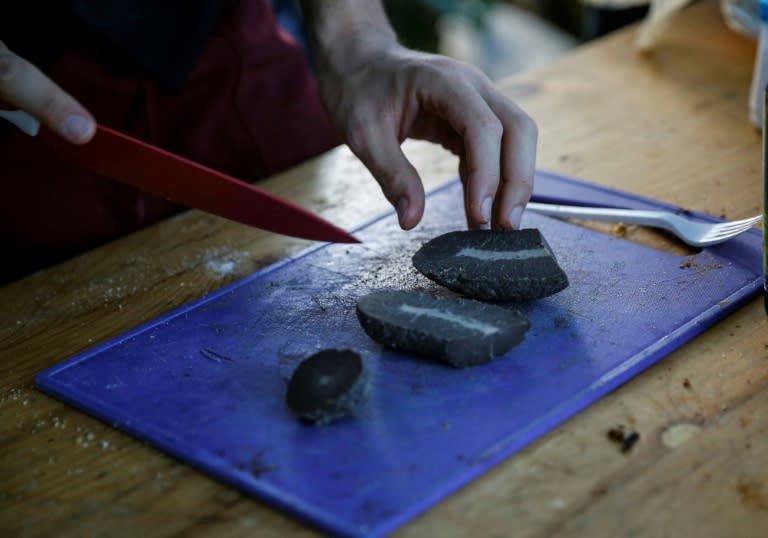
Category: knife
[160,172]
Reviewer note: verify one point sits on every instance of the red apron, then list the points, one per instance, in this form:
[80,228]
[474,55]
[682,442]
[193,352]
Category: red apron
[250,108]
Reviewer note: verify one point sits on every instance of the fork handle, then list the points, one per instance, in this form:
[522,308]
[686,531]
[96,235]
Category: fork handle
[627,216]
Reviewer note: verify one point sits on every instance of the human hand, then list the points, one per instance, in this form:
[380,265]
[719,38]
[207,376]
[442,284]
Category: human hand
[381,93]
[24,86]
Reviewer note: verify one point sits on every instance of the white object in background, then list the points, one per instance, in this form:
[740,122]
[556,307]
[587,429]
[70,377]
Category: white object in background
[514,40]
[660,13]
[760,73]
[656,21]
[742,16]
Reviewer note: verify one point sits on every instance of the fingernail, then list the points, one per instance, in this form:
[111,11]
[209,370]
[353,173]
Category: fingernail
[77,127]
[515,216]
[485,209]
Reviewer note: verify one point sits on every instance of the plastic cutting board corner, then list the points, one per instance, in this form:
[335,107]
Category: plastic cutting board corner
[206,382]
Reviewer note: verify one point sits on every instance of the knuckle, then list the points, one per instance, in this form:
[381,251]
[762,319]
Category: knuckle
[456,68]
[355,133]
[475,76]
[10,65]
[528,126]
[51,105]
[490,126]
[428,74]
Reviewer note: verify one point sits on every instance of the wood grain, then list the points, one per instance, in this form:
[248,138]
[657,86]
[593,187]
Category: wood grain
[672,125]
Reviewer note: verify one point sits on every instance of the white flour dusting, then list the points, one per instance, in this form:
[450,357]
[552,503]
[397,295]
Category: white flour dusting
[226,264]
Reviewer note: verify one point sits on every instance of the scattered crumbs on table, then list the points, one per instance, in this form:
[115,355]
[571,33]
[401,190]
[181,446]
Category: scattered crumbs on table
[256,465]
[619,435]
[688,263]
[619,230]
[629,442]
[217,266]
[745,421]
[752,493]
[616,434]
[558,503]
[58,423]
[248,522]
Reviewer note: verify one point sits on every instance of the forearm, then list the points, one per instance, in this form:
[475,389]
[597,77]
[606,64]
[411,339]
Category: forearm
[342,31]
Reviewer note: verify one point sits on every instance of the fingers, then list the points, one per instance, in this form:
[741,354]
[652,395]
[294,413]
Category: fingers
[24,86]
[518,163]
[498,157]
[377,146]
[482,131]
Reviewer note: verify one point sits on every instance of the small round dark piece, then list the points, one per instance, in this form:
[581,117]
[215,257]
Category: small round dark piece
[493,265]
[456,330]
[327,386]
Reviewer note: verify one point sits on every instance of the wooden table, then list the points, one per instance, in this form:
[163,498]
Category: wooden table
[672,125]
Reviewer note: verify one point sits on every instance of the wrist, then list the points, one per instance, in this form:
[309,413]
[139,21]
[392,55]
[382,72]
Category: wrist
[344,34]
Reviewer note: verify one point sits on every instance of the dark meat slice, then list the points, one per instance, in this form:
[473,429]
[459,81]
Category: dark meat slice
[327,386]
[459,331]
[493,265]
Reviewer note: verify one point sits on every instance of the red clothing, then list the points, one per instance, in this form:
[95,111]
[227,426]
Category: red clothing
[249,108]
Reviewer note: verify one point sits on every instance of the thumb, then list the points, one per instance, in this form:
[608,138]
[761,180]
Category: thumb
[24,86]
[379,150]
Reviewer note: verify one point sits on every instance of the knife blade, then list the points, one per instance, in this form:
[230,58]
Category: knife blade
[160,172]
[163,173]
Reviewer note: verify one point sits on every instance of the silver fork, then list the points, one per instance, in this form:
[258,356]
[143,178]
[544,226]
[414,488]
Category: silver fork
[694,233]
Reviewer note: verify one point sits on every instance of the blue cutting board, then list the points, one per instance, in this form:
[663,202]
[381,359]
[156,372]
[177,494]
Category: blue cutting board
[206,382]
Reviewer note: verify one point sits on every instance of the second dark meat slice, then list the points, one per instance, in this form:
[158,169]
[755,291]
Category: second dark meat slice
[456,330]
[493,265]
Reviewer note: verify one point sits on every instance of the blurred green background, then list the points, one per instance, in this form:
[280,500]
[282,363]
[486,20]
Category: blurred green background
[416,20]
[501,37]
